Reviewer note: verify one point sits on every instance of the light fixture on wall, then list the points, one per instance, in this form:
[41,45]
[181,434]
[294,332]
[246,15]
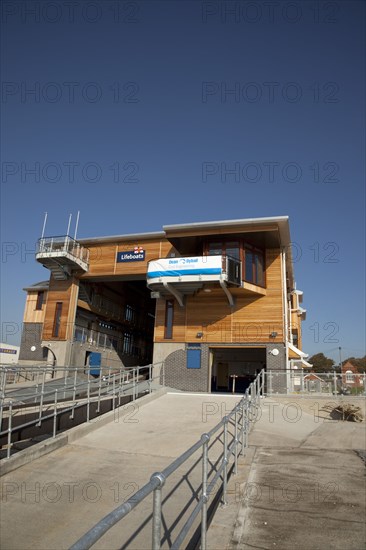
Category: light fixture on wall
[199,334]
[273,335]
[274,352]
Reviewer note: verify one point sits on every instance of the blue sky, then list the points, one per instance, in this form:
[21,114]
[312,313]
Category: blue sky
[141,114]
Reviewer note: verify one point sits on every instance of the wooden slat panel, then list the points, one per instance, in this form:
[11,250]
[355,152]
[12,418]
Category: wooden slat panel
[31,314]
[253,318]
[103,258]
[65,292]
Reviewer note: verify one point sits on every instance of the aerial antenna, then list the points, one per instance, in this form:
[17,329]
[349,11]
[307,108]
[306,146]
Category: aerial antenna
[44,224]
[76,225]
[68,227]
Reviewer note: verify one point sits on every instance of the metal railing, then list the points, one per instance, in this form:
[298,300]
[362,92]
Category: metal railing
[45,401]
[303,382]
[233,444]
[63,244]
[134,346]
[232,268]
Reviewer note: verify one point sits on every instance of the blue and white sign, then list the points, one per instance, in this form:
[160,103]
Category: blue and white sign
[177,267]
[135,255]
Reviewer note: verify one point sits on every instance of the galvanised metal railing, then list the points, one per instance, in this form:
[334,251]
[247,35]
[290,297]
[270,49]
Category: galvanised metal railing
[63,244]
[303,382]
[67,394]
[241,417]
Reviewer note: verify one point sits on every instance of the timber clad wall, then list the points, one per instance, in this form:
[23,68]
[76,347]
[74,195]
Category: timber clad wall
[65,292]
[31,314]
[211,314]
[103,258]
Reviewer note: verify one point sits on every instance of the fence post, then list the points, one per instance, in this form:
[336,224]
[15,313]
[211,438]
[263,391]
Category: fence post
[225,460]
[242,426]
[205,439]
[41,400]
[88,398]
[74,394]
[269,383]
[236,441]
[335,382]
[10,422]
[55,415]
[99,388]
[156,520]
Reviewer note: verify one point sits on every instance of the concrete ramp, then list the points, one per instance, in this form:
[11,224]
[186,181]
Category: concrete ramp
[51,502]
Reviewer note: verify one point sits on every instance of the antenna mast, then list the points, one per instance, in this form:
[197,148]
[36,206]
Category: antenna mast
[44,224]
[68,227]
[77,223]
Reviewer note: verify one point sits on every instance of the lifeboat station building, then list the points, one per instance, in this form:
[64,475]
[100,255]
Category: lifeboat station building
[213,301]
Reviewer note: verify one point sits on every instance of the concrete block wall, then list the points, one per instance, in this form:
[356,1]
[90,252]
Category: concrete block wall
[32,337]
[177,375]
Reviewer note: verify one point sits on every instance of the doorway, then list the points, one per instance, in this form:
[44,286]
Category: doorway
[234,369]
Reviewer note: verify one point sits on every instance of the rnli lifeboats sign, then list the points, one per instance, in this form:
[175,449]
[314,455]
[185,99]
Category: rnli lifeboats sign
[135,255]
[177,267]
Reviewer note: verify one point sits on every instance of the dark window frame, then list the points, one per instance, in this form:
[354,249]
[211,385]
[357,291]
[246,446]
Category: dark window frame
[57,320]
[244,246]
[40,300]
[169,319]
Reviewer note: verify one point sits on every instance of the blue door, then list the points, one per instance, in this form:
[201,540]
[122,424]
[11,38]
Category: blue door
[95,360]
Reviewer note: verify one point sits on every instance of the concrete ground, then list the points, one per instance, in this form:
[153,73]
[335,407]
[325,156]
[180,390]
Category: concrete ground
[58,497]
[302,484]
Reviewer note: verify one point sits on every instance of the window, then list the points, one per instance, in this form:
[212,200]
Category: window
[253,258]
[40,299]
[254,265]
[169,316]
[127,343]
[57,320]
[349,377]
[130,313]
[230,248]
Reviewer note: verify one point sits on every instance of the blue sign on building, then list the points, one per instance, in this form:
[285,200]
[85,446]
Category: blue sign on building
[136,255]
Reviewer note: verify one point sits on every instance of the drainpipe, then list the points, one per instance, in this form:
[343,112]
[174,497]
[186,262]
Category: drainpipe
[284,290]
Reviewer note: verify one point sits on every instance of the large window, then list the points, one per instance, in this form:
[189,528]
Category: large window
[57,320]
[229,248]
[252,258]
[254,265]
[169,316]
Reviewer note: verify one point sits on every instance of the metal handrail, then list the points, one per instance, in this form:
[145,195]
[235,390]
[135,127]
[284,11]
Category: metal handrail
[117,384]
[158,479]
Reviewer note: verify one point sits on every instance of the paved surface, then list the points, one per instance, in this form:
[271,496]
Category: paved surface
[58,497]
[302,485]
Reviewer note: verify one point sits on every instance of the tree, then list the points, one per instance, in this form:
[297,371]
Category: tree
[359,362]
[321,363]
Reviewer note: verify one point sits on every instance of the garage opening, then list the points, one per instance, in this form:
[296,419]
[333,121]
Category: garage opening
[233,369]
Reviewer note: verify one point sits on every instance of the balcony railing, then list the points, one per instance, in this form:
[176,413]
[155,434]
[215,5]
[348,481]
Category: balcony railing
[62,246]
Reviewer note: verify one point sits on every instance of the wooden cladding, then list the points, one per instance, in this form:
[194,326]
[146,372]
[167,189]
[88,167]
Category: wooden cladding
[103,258]
[59,320]
[32,314]
[252,320]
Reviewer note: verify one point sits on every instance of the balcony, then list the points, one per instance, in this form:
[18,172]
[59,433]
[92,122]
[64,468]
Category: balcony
[62,256]
[182,276]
